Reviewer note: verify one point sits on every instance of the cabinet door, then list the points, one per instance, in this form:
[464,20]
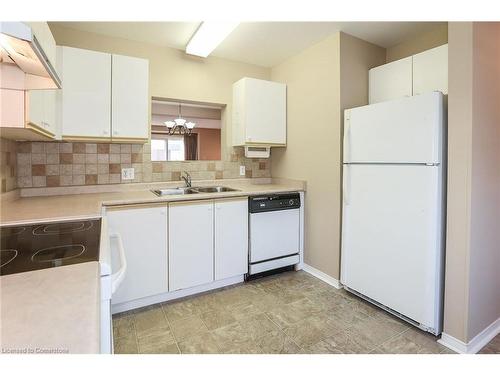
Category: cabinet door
[265,112]
[41,109]
[45,39]
[144,236]
[191,244]
[390,81]
[35,112]
[231,238]
[86,93]
[130,97]
[49,110]
[430,70]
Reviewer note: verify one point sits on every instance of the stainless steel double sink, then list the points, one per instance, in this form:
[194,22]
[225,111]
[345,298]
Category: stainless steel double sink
[192,190]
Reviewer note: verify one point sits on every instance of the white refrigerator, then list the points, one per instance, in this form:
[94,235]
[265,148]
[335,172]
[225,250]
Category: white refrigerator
[393,214]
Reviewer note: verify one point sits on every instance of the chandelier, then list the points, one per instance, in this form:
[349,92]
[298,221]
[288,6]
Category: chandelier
[179,125]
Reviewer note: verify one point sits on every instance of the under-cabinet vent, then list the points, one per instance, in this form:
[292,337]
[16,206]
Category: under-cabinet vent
[257,152]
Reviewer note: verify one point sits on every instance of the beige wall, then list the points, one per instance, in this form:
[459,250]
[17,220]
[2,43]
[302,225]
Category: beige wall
[313,139]
[356,58]
[421,42]
[484,278]
[459,165]
[321,81]
[208,143]
[472,286]
[173,74]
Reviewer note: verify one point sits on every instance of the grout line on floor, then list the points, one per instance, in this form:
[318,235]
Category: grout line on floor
[170,327]
[135,333]
[282,331]
[392,337]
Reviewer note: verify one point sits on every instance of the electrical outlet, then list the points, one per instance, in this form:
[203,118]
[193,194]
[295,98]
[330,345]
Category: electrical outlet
[127,173]
[242,170]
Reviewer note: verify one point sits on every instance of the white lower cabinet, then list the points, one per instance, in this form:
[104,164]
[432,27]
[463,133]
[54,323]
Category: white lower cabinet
[191,244]
[188,244]
[143,230]
[231,237]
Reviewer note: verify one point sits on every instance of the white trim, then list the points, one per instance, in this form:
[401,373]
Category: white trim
[452,343]
[151,300]
[274,264]
[474,345]
[301,231]
[322,276]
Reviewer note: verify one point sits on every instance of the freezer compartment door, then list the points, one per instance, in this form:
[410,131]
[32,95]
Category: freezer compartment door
[392,237]
[407,130]
[274,234]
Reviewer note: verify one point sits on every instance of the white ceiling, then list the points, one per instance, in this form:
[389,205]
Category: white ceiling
[170,34]
[261,43]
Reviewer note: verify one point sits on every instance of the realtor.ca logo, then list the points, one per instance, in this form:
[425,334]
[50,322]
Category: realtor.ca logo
[35,351]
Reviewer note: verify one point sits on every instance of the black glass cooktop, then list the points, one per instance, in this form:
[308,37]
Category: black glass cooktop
[46,245]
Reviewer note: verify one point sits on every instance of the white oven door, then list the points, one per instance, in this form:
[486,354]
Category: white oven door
[113,268]
[274,234]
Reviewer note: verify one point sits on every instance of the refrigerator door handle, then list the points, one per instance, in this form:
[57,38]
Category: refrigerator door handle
[347,137]
[346,185]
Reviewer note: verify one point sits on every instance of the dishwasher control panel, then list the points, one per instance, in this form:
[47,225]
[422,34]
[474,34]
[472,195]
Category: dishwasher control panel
[273,202]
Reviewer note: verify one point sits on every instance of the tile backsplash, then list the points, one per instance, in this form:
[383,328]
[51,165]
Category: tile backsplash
[51,164]
[8,164]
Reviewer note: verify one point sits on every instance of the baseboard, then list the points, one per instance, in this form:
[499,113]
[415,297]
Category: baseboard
[474,345]
[322,276]
[452,343]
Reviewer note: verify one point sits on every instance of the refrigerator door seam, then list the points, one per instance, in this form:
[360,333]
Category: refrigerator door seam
[402,164]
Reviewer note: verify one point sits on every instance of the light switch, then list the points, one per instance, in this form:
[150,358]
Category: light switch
[242,170]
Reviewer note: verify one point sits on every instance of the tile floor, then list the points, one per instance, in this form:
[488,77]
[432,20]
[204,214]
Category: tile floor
[292,312]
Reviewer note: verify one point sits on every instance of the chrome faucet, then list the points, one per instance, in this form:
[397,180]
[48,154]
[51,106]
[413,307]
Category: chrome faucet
[187,179]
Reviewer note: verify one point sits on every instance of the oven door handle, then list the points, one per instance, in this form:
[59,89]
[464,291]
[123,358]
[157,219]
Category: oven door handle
[118,276]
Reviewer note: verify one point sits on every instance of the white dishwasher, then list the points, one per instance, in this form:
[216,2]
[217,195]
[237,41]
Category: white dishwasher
[274,230]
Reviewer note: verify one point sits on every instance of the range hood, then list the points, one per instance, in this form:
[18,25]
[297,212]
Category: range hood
[24,64]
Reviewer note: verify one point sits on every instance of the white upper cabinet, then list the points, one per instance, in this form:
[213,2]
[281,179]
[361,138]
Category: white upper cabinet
[41,110]
[104,97]
[430,70]
[33,116]
[45,38]
[390,81]
[424,72]
[190,244]
[231,237]
[129,97]
[35,113]
[86,93]
[143,231]
[259,113]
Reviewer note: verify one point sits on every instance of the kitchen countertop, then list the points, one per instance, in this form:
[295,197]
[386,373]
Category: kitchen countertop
[54,310]
[83,202]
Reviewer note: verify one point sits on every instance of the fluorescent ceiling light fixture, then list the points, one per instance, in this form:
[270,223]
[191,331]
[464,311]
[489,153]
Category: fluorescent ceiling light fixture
[208,36]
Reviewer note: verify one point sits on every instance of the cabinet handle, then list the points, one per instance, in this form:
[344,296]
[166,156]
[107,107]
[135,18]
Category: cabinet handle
[115,132]
[105,132]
